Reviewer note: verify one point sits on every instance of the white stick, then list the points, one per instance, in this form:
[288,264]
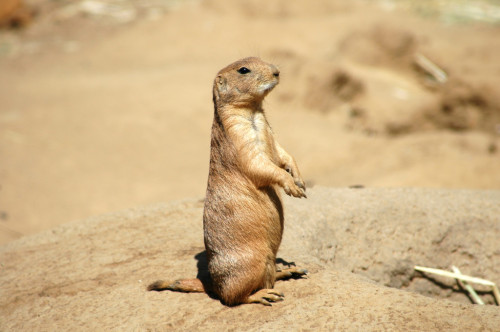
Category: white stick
[496,294]
[455,276]
[431,68]
[467,287]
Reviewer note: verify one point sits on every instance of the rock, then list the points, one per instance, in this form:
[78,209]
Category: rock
[92,275]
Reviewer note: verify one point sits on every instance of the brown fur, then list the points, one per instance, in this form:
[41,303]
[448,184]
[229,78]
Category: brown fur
[14,14]
[243,214]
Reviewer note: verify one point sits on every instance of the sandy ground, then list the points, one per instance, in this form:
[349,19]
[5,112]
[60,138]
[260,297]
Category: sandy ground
[97,116]
[106,111]
[91,275]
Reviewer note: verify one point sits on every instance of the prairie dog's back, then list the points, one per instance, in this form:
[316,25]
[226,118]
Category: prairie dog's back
[240,132]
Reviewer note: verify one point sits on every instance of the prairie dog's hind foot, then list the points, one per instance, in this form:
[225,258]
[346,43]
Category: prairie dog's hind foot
[294,272]
[266,296]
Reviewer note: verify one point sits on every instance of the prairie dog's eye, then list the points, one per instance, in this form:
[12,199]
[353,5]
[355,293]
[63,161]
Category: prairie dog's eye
[243,70]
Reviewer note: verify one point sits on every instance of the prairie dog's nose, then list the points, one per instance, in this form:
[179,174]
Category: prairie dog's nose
[276,71]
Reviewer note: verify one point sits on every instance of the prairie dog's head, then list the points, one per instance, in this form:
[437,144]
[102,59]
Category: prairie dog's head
[245,82]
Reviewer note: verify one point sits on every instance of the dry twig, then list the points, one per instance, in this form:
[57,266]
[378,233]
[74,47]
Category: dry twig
[465,285]
[461,277]
[429,67]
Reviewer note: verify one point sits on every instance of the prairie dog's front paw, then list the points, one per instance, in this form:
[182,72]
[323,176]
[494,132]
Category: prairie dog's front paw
[300,183]
[293,189]
[294,172]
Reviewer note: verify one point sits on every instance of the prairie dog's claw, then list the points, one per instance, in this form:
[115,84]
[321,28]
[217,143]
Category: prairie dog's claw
[295,191]
[300,184]
[266,296]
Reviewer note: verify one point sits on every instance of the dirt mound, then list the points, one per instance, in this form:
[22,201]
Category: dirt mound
[461,106]
[93,274]
[413,99]
[380,45]
[382,234]
[333,90]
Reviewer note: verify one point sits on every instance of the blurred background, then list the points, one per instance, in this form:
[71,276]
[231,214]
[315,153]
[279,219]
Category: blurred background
[106,104]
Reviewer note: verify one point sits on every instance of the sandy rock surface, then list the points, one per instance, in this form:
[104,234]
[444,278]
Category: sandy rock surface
[91,275]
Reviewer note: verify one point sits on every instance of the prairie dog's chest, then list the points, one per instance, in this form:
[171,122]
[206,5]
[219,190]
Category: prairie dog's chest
[260,128]
[253,132]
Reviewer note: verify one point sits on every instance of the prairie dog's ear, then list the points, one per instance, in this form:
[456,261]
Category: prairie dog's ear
[221,83]
[220,86]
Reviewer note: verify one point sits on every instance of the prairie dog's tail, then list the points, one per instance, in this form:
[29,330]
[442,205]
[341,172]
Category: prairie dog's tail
[181,285]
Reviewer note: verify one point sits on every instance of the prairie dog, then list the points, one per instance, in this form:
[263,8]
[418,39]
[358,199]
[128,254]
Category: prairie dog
[243,214]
